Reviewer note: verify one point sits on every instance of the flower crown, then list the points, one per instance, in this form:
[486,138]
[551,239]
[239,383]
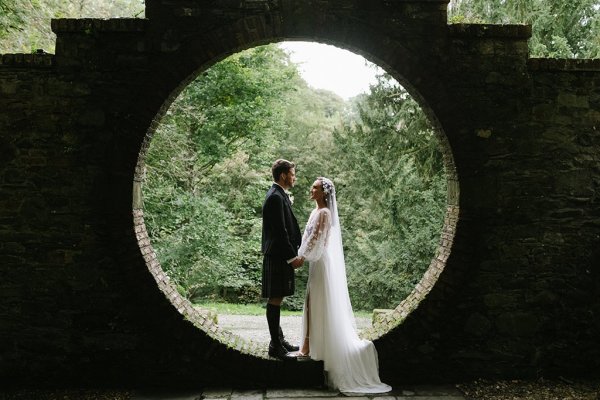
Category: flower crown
[327,185]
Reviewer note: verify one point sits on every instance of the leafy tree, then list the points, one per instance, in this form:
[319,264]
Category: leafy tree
[214,150]
[238,104]
[208,170]
[25,24]
[312,117]
[391,195]
[561,28]
[11,17]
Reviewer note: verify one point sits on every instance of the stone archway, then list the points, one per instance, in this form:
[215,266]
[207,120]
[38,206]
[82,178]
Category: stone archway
[202,319]
[185,53]
[80,304]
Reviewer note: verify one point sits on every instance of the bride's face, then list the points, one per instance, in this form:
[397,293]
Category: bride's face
[316,191]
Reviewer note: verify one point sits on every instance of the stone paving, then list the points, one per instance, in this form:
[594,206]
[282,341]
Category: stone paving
[440,392]
[255,328]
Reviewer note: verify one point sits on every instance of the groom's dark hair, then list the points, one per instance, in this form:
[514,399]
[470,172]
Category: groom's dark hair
[281,166]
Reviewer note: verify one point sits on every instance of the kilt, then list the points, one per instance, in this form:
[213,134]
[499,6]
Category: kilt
[277,277]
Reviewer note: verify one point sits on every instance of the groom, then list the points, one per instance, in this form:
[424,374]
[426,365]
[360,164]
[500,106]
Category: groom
[280,242]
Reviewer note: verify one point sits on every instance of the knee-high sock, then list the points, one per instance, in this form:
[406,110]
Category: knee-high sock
[273,316]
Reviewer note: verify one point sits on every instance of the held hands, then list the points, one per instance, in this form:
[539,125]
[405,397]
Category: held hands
[297,263]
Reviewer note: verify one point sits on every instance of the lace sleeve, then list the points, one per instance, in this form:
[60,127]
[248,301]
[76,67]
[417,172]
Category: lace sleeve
[315,235]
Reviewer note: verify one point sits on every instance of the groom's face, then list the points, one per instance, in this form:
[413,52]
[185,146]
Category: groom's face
[289,178]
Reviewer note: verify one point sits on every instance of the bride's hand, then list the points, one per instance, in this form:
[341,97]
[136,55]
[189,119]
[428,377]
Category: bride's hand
[297,263]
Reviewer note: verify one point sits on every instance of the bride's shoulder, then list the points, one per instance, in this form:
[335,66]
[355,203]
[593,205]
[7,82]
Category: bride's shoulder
[323,211]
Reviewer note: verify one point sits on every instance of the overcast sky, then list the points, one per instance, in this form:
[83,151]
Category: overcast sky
[329,67]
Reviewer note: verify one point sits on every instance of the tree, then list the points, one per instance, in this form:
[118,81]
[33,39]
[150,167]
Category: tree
[208,169]
[11,18]
[560,28]
[25,24]
[391,194]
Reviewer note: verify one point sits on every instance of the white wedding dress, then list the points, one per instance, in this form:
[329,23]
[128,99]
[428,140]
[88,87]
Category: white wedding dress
[351,363]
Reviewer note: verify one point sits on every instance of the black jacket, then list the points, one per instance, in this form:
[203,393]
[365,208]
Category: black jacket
[280,232]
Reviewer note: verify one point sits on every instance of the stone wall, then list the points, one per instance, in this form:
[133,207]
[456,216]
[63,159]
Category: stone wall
[514,290]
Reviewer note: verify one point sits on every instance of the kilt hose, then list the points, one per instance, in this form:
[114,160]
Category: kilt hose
[277,277]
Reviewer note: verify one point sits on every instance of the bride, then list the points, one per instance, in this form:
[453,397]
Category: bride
[328,325]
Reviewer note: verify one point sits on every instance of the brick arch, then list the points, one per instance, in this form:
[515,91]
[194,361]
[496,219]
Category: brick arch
[183,67]
[172,69]
[522,270]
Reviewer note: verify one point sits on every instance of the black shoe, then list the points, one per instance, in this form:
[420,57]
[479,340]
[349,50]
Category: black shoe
[285,343]
[278,351]
[287,346]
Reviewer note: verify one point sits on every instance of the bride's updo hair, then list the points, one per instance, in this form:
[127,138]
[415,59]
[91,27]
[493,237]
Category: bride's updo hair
[329,190]
[327,186]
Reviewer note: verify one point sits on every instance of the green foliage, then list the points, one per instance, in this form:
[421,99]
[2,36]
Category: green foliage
[390,195]
[237,106]
[25,24]
[208,171]
[11,17]
[311,117]
[561,28]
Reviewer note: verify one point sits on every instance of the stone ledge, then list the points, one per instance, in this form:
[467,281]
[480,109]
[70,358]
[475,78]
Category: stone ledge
[490,31]
[563,64]
[27,60]
[98,25]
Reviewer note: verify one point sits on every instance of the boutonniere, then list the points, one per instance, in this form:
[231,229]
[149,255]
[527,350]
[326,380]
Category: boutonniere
[290,196]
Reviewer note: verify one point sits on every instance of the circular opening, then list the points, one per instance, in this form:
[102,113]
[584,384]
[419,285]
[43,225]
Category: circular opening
[205,165]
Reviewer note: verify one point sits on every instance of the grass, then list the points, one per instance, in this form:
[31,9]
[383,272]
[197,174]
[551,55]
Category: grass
[256,309]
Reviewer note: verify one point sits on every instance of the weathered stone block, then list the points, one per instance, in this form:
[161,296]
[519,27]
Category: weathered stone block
[518,324]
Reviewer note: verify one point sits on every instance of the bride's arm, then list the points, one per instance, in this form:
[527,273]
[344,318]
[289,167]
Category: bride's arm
[313,244]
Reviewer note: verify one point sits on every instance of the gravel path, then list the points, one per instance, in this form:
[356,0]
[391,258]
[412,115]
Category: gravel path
[254,327]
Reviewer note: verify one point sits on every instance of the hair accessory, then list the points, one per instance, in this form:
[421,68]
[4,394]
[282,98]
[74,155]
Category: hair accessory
[327,185]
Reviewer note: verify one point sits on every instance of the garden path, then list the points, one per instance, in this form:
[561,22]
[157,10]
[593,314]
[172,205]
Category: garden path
[254,327]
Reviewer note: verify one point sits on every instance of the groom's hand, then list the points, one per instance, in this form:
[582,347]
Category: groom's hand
[297,263]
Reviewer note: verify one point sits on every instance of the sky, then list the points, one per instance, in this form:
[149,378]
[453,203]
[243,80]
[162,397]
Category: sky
[328,67]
